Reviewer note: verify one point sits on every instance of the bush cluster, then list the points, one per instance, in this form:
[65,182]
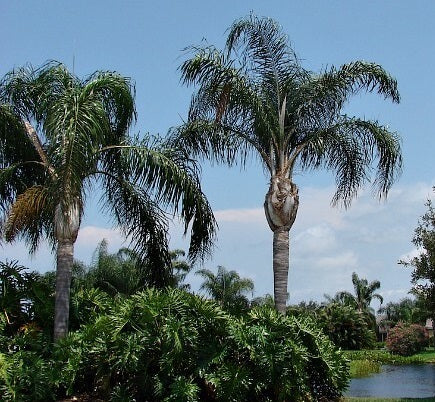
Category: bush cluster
[347,327]
[174,346]
[407,339]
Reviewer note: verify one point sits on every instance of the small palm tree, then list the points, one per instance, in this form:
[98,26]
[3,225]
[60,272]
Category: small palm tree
[364,294]
[227,288]
[61,138]
[255,99]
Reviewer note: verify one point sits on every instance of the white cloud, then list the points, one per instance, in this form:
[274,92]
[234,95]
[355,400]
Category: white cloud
[415,252]
[315,239]
[253,215]
[346,259]
[92,235]
[326,244]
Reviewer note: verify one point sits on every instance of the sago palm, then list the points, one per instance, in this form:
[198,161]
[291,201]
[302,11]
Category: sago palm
[60,139]
[255,99]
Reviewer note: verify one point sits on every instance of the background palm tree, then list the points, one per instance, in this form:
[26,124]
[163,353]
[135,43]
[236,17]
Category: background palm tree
[179,269]
[61,137]
[227,288]
[364,294]
[254,98]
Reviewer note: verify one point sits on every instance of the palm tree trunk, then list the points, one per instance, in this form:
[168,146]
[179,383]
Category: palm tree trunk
[280,267]
[66,223]
[281,206]
[65,255]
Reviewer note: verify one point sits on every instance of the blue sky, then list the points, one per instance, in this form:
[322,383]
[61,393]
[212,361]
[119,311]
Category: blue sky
[144,40]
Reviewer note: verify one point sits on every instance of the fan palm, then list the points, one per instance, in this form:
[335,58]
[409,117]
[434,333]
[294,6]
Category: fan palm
[254,98]
[61,137]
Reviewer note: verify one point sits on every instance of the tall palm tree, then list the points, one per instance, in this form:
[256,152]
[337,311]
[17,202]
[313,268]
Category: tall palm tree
[254,98]
[61,137]
[226,287]
[364,294]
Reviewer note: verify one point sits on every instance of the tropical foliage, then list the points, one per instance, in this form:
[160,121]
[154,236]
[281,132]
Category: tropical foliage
[255,99]
[346,327]
[60,139]
[411,311]
[423,274]
[227,288]
[172,345]
[364,294]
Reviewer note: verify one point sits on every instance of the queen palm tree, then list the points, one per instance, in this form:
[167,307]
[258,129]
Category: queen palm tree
[227,288]
[254,98]
[61,138]
[364,294]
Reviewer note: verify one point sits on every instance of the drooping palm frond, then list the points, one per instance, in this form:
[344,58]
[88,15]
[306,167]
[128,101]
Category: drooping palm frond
[171,178]
[29,217]
[349,147]
[256,98]
[20,164]
[263,50]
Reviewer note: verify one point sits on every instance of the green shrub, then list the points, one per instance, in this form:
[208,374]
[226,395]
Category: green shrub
[347,327]
[407,339]
[25,376]
[381,357]
[174,346]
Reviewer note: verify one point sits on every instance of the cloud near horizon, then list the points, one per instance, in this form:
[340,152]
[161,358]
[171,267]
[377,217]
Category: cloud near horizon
[327,244]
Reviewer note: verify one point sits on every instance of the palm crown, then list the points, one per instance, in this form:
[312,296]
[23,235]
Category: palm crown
[265,102]
[254,98]
[61,137]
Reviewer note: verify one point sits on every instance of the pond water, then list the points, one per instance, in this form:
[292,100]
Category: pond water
[409,381]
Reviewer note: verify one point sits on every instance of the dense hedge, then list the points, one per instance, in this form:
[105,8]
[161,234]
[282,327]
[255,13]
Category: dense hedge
[174,346]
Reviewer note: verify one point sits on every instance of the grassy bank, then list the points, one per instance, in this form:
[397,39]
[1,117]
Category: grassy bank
[366,362]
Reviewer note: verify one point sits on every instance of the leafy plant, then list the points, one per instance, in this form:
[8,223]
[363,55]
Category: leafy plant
[407,339]
[346,326]
[171,345]
[25,376]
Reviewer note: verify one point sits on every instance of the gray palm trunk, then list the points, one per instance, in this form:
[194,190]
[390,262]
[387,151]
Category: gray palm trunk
[65,258]
[281,206]
[67,223]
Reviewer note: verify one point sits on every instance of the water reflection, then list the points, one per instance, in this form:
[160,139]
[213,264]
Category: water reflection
[410,381]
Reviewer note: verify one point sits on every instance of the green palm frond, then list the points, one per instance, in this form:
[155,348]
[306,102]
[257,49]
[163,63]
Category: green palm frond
[255,98]
[263,50]
[20,165]
[171,177]
[140,219]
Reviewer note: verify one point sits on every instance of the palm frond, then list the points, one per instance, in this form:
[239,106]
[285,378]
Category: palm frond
[116,94]
[324,95]
[349,147]
[30,217]
[264,50]
[140,219]
[172,178]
